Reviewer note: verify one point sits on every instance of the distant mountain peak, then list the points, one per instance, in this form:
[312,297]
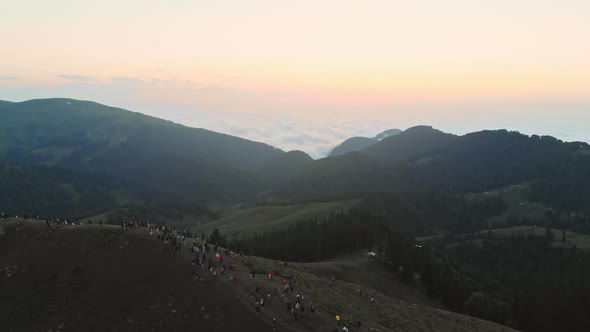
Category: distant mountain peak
[359,143]
[387,133]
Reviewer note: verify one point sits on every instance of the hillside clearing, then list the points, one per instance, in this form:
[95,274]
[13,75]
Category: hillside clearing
[236,222]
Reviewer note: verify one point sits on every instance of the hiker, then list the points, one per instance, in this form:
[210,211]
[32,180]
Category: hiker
[312,310]
[345,329]
[47,223]
[274,324]
[257,305]
[268,297]
[338,320]
[262,304]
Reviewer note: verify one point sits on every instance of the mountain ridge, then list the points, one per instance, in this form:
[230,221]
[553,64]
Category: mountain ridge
[359,143]
[93,137]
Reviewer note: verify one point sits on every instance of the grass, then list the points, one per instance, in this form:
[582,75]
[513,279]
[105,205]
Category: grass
[581,241]
[358,269]
[516,198]
[70,189]
[343,298]
[93,258]
[104,216]
[237,222]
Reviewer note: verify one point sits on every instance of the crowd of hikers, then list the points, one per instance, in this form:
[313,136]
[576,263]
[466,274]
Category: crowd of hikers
[211,261]
[48,221]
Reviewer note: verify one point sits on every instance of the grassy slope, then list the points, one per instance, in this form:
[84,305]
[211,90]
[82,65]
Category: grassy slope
[386,314]
[581,241]
[245,222]
[370,273]
[516,198]
[98,278]
[62,276]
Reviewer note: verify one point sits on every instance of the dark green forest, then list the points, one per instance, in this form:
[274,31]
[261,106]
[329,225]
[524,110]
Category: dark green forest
[90,137]
[65,193]
[425,159]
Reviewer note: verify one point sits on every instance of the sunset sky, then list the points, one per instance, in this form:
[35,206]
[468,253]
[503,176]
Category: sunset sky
[308,74]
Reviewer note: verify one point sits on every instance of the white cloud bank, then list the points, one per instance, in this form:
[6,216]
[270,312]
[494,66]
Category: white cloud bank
[287,122]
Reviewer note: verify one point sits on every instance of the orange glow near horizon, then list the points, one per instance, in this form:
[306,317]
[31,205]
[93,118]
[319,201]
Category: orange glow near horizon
[333,51]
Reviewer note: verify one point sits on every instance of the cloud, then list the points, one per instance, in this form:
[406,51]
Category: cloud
[305,138]
[81,78]
[315,129]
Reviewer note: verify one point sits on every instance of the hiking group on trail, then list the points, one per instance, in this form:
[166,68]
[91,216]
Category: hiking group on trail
[210,260]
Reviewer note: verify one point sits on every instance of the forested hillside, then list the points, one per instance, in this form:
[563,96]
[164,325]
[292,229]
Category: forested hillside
[92,137]
[65,193]
[426,159]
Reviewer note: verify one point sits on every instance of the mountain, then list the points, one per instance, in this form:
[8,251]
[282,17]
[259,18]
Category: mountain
[423,158]
[91,137]
[65,193]
[387,133]
[283,167]
[333,177]
[361,143]
[412,143]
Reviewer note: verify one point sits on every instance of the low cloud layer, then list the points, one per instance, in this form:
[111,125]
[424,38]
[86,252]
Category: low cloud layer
[284,121]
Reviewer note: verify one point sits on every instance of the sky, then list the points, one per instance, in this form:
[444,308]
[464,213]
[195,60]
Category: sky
[308,74]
